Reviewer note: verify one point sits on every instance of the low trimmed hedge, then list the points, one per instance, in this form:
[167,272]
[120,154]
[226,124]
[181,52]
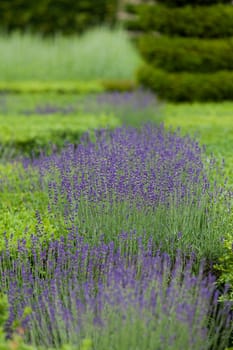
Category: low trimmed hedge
[51,16]
[62,87]
[175,3]
[67,87]
[190,55]
[29,135]
[214,21]
[188,86]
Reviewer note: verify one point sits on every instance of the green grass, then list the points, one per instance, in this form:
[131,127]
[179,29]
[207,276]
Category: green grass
[98,54]
[211,123]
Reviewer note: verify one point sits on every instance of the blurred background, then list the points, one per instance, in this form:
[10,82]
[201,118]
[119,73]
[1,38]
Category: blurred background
[68,66]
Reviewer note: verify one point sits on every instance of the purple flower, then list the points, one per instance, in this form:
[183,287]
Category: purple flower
[84,287]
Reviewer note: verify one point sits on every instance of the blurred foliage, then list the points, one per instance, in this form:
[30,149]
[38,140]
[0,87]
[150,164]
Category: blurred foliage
[51,16]
[16,341]
[119,85]
[181,53]
[29,135]
[200,21]
[225,266]
[210,123]
[192,2]
[67,87]
[188,55]
[62,87]
[99,54]
[217,86]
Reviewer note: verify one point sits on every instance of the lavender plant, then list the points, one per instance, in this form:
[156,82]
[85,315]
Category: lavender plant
[115,298]
[147,180]
[132,108]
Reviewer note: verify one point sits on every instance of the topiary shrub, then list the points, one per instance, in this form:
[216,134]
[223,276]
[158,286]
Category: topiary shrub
[51,16]
[179,65]
[214,21]
[192,2]
[184,86]
[185,54]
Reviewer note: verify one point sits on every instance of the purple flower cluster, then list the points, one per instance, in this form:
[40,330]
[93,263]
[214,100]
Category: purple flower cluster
[72,287]
[138,99]
[146,166]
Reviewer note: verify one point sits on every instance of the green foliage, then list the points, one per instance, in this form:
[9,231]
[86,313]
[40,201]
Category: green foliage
[50,16]
[16,343]
[212,125]
[225,265]
[174,3]
[208,53]
[186,54]
[119,85]
[184,86]
[3,311]
[62,87]
[214,21]
[99,54]
[30,134]
[20,203]
[131,108]
[67,87]
[86,344]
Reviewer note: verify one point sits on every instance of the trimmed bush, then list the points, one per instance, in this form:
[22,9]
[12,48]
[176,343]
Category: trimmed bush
[194,58]
[67,87]
[51,16]
[119,85]
[26,135]
[200,21]
[62,87]
[191,55]
[187,86]
[192,2]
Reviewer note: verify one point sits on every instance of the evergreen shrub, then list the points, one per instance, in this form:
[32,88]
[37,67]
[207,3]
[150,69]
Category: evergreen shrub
[51,16]
[186,54]
[177,3]
[188,86]
[214,21]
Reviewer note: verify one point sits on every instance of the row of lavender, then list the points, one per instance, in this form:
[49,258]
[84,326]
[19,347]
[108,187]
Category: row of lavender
[138,222]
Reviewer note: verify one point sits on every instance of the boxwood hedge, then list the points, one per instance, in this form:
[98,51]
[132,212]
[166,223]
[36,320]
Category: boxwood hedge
[186,54]
[188,86]
[28,135]
[214,21]
[192,2]
[51,16]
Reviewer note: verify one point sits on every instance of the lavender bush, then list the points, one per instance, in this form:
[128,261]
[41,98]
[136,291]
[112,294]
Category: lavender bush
[116,299]
[132,108]
[146,180]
